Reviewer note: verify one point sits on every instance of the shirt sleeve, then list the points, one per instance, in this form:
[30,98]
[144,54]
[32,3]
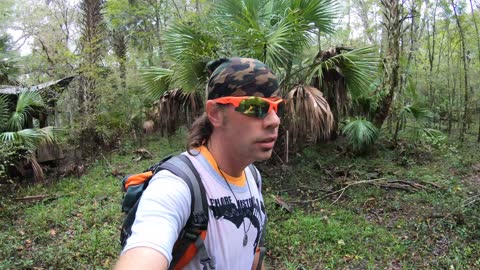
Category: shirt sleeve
[162,212]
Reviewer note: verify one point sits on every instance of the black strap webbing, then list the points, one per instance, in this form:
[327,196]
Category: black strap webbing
[182,167]
[261,244]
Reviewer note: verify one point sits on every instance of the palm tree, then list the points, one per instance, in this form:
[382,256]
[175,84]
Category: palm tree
[343,74]
[274,32]
[15,135]
[277,33]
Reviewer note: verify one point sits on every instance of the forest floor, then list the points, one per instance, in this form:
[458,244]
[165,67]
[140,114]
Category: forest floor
[412,207]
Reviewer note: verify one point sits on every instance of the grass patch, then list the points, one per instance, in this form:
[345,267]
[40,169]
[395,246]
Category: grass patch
[368,227]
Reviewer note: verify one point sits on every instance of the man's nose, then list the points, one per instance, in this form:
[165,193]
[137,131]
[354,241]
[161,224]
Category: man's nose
[271,120]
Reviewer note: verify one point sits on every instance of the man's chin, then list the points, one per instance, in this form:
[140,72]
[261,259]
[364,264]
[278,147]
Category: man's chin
[264,154]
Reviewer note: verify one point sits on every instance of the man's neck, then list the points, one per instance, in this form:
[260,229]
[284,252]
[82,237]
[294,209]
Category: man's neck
[226,161]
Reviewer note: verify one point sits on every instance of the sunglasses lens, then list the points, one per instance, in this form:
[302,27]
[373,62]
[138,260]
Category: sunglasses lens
[258,107]
[253,107]
[281,109]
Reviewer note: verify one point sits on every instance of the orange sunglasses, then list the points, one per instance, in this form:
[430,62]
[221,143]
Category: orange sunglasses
[257,107]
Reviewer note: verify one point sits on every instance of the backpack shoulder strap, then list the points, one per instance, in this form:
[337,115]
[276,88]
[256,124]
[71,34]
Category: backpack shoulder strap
[191,239]
[261,244]
[254,172]
[182,167]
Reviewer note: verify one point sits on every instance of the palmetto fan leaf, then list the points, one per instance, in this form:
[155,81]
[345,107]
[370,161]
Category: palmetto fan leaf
[190,45]
[31,138]
[26,102]
[156,80]
[415,112]
[308,114]
[273,31]
[360,133]
[319,12]
[358,67]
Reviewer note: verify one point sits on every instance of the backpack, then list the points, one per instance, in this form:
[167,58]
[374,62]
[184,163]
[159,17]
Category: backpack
[190,241]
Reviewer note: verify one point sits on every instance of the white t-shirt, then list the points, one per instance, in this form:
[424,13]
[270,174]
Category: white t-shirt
[164,209]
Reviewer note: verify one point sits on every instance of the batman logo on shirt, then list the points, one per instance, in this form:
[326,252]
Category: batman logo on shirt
[251,208]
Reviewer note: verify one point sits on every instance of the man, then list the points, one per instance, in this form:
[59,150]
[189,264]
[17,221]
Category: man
[239,126]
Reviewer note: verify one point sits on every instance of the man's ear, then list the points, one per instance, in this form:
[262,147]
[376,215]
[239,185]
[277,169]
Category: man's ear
[215,113]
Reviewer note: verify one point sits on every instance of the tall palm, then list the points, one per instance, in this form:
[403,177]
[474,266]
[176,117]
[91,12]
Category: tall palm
[14,132]
[343,74]
[275,32]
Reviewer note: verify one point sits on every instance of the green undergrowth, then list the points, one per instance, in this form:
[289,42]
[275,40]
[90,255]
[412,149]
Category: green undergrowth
[375,223]
[313,223]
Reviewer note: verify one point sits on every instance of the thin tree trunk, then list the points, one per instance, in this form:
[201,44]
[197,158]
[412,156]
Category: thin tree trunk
[464,60]
[393,25]
[431,56]
[477,32]
[478,110]
[364,9]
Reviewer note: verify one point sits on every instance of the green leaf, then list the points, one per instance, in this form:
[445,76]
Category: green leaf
[360,133]
[156,80]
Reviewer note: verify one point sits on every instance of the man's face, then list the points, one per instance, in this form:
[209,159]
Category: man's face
[250,138]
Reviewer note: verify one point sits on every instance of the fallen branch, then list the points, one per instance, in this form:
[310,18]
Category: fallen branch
[408,183]
[32,198]
[341,191]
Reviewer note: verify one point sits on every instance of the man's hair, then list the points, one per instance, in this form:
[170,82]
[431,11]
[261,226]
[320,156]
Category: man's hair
[199,133]
[231,77]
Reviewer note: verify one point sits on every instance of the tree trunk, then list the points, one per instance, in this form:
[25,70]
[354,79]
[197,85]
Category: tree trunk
[478,111]
[393,25]
[465,70]
[431,55]
[92,36]
[363,10]
[477,32]
[120,50]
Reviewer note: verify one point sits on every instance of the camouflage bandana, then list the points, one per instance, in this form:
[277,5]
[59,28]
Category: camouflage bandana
[240,77]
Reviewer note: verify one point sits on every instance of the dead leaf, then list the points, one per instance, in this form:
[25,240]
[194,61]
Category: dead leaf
[53,232]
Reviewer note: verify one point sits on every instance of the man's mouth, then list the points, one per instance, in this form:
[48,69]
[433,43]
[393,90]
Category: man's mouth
[267,142]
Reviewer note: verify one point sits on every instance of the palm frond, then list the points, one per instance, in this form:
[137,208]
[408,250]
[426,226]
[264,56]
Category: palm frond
[360,133]
[190,76]
[190,45]
[26,101]
[308,114]
[49,134]
[9,136]
[4,112]
[38,174]
[415,112]
[156,80]
[30,137]
[322,13]
[175,108]
[358,67]
[279,45]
